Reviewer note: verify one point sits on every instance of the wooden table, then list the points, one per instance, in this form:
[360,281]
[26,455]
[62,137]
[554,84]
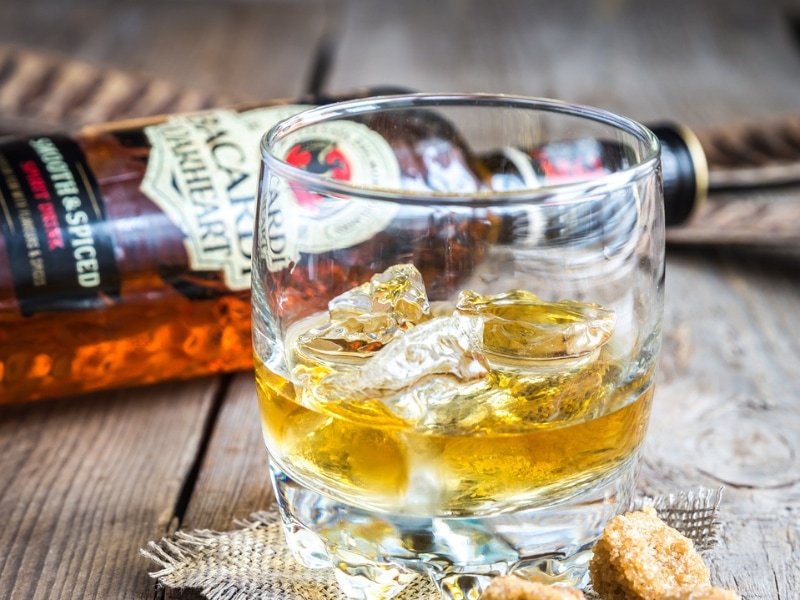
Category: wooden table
[85,482]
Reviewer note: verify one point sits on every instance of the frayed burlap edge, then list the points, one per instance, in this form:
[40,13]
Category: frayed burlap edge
[253,562]
[249,563]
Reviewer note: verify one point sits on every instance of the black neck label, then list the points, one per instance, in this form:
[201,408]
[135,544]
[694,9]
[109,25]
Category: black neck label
[54,226]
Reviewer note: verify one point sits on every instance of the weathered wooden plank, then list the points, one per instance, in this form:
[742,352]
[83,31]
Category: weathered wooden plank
[234,477]
[85,482]
[703,63]
[255,49]
[730,336]
[729,384]
[729,387]
[132,58]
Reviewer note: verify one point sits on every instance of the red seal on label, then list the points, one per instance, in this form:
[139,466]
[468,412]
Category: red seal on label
[321,157]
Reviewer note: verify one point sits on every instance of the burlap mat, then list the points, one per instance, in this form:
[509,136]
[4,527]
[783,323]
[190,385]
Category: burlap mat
[253,562]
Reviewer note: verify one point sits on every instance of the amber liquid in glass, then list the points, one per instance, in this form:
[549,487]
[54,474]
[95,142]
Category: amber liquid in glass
[378,465]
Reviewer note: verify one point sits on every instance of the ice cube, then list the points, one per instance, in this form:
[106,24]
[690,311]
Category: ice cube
[519,325]
[425,377]
[424,493]
[399,291]
[349,339]
[366,318]
[444,346]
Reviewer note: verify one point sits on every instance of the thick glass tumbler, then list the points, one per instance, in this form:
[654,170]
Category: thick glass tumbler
[457,305]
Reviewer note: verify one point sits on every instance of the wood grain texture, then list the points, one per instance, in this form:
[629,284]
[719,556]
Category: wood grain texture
[727,404]
[754,175]
[702,63]
[85,482]
[257,49]
[234,477]
[729,389]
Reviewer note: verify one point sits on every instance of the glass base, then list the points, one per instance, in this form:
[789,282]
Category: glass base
[376,555]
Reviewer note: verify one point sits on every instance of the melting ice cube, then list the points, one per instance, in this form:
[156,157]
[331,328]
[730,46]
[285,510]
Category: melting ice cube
[399,291]
[366,318]
[519,325]
[386,357]
[418,376]
[443,346]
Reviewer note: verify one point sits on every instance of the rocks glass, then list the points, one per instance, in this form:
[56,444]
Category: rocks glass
[457,305]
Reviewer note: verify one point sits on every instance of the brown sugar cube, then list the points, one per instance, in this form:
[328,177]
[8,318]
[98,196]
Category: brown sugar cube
[639,557]
[510,587]
[704,592]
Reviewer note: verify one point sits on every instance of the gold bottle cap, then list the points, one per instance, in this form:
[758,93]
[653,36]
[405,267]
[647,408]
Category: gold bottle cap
[684,170]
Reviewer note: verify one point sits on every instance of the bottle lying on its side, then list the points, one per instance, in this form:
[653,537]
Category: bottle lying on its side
[125,248]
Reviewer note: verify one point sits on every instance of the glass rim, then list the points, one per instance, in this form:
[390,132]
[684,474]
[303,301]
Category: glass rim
[565,192]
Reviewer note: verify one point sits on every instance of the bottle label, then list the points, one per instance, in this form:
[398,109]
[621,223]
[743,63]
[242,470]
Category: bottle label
[203,173]
[340,150]
[54,226]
